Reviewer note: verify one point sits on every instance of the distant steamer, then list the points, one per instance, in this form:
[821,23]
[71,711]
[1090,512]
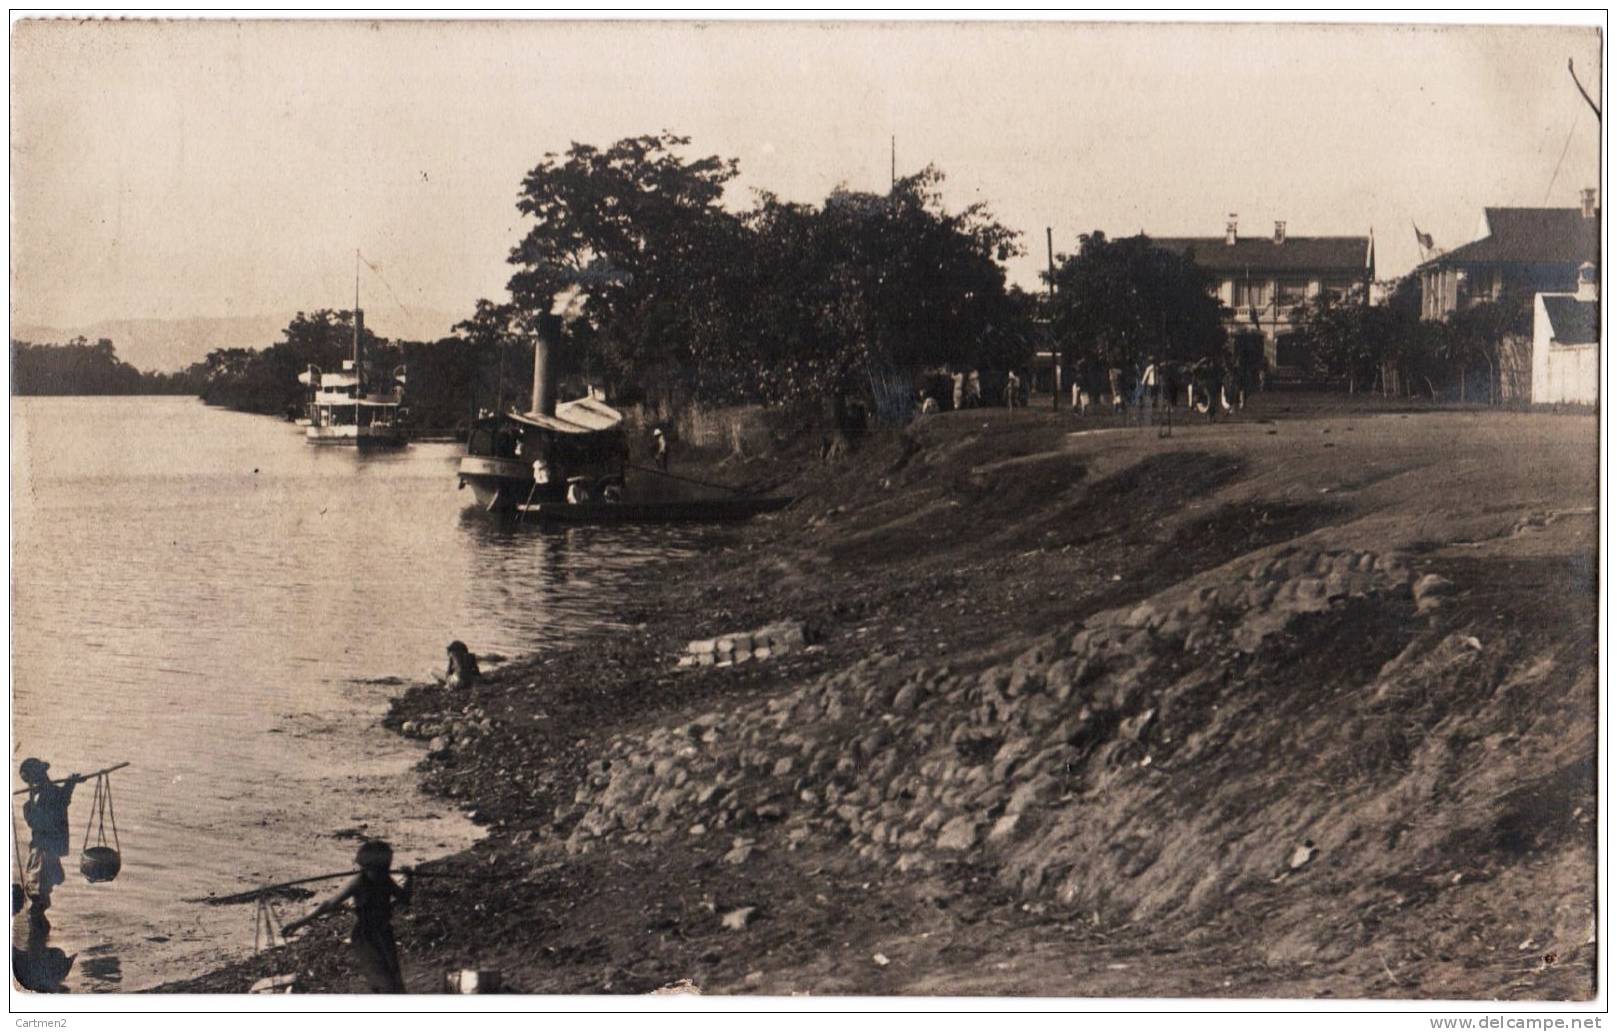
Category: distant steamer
[358,405]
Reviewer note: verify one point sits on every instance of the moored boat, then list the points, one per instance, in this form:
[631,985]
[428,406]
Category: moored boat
[576,453]
[572,452]
[359,404]
[567,462]
[354,406]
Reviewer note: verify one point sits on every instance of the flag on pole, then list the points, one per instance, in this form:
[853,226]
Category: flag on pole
[1423,239]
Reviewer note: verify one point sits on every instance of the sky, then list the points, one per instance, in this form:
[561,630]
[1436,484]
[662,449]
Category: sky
[185,169]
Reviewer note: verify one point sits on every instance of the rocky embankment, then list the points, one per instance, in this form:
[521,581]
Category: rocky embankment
[911,764]
[1168,731]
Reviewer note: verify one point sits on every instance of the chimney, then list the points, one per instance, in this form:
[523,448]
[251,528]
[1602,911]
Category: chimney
[1229,231]
[544,365]
[1280,231]
[1589,195]
[359,364]
[1588,282]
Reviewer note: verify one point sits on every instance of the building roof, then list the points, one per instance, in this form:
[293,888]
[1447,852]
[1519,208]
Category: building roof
[1531,236]
[1343,255]
[1572,321]
[581,416]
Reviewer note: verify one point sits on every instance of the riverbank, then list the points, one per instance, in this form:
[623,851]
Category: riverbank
[1104,713]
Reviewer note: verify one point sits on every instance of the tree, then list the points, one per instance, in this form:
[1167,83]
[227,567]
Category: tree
[781,303]
[640,228]
[855,295]
[266,380]
[79,367]
[1346,338]
[1480,332]
[1120,301]
[495,357]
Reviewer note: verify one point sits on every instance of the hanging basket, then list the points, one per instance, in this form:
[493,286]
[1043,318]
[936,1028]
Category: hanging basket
[101,862]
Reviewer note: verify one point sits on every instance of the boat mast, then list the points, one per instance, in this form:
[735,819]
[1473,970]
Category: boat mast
[359,378]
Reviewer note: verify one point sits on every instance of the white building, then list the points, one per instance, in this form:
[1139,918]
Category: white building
[1566,344]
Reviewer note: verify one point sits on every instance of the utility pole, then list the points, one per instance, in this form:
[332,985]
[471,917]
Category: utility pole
[1049,321]
[359,374]
[1586,98]
[892,163]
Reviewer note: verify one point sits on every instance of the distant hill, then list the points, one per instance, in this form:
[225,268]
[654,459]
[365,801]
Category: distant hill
[167,345]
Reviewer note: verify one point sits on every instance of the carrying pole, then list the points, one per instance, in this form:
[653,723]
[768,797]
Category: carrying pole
[252,895]
[82,777]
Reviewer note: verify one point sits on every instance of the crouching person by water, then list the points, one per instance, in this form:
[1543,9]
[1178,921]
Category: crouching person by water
[373,891]
[462,671]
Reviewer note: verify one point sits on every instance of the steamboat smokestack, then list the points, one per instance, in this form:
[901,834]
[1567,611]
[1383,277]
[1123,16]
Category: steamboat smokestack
[359,336]
[544,365]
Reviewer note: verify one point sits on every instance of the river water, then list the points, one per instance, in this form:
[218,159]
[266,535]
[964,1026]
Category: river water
[203,594]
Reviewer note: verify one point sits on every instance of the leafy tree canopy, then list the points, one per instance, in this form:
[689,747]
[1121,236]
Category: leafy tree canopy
[638,226]
[1124,301]
[865,285]
[781,302]
[79,367]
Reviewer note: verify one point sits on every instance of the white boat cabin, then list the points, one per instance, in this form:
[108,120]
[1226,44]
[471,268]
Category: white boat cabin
[354,406]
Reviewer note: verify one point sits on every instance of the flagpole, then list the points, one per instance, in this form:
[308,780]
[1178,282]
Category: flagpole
[359,378]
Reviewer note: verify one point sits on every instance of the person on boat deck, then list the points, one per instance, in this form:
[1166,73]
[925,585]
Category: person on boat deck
[660,443]
[45,810]
[462,672]
[373,891]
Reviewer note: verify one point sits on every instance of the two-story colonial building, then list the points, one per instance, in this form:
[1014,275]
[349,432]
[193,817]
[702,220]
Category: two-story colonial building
[1529,250]
[1261,280]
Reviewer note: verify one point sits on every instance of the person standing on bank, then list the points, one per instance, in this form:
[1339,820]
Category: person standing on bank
[660,443]
[45,810]
[373,891]
[1146,394]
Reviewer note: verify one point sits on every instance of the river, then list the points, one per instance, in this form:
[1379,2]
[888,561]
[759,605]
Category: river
[205,595]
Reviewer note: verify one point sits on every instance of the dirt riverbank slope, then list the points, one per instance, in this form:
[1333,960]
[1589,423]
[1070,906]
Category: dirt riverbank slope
[1299,708]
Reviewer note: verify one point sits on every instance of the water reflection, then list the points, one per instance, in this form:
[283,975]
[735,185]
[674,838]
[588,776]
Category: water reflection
[220,603]
[105,967]
[557,583]
[38,967]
